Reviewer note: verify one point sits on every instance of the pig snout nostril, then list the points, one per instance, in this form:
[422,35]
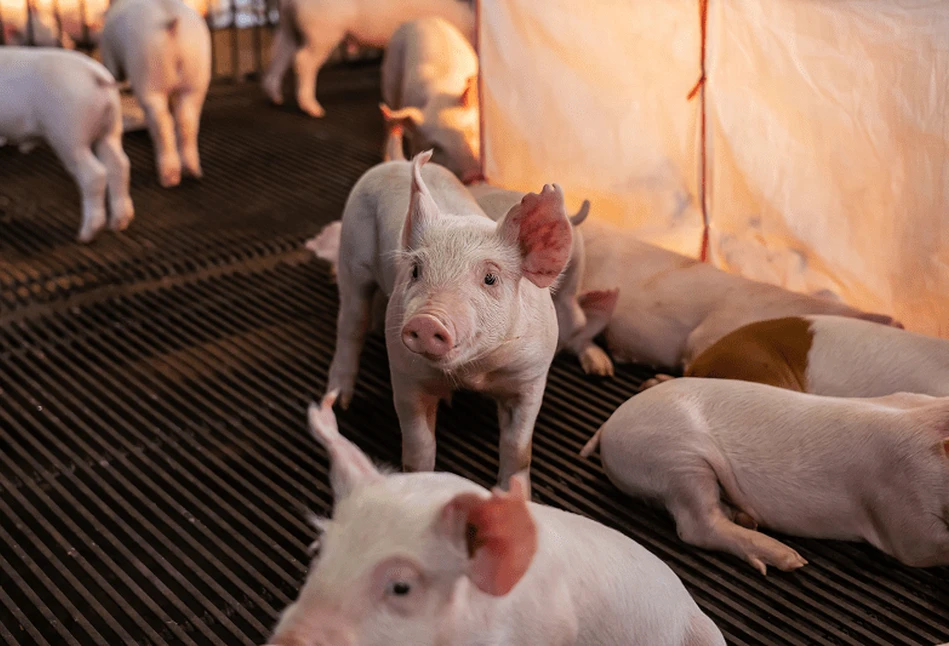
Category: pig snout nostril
[424,334]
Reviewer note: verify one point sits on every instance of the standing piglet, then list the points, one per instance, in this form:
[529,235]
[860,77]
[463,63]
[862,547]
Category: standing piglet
[829,355]
[430,89]
[872,470]
[310,30]
[469,300]
[163,47]
[426,559]
[71,102]
[672,307]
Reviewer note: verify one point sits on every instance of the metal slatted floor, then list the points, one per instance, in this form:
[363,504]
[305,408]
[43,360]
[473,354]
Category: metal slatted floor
[154,462]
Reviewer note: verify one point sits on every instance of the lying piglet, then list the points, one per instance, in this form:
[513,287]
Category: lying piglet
[806,465]
[309,31]
[672,307]
[430,89]
[576,329]
[71,102]
[427,559]
[469,300]
[829,355]
[163,47]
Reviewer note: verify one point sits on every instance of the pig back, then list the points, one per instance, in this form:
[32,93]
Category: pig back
[620,592]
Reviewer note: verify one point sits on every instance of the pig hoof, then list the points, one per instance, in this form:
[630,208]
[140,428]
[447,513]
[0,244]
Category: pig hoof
[86,235]
[596,362]
[313,109]
[655,381]
[169,179]
[272,90]
[770,552]
[194,171]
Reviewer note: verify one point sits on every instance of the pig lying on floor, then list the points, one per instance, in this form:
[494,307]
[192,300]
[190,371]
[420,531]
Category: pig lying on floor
[875,470]
[469,302]
[672,307]
[430,89]
[71,102]
[828,355]
[309,31]
[432,558]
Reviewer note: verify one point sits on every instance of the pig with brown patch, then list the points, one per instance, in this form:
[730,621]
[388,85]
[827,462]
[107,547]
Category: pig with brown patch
[727,456]
[469,302]
[829,355]
[672,307]
[163,47]
[309,31]
[430,94]
[72,103]
[433,558]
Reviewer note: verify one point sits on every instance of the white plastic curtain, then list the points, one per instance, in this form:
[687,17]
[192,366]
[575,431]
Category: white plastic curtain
[826,147]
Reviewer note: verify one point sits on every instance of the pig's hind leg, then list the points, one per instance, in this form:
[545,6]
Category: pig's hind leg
[307,63]
[187,119]
[161,127]
[90,176]
[284,47]
[355,312]
[110,153]
[696,505]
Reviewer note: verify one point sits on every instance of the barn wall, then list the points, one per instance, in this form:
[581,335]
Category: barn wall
[827,133]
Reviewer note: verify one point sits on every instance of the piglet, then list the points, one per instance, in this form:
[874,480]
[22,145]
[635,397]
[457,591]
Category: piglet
[430,89]
[672,307]
[71,102]
[726,456]
[829,355]
[581,316]
[469,302]
[309,31]
[432,558]
[163,47]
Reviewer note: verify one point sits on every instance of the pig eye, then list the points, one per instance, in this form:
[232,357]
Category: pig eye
[490,279]
[415,271]
[400,588]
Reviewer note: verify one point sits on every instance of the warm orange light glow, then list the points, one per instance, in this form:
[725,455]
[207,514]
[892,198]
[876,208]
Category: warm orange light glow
[14,13]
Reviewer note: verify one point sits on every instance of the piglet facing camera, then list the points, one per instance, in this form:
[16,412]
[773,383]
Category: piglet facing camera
[469,302]
[432,558]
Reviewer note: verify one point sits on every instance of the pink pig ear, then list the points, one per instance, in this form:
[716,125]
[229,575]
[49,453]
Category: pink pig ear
[404,117]
[469,97]
[349,467]
[499,534]
[541,229]
[422,208]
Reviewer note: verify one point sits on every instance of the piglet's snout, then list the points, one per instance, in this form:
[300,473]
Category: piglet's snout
[426,335]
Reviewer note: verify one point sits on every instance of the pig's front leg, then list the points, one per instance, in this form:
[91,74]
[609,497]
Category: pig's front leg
[161,127]
[516,417]
[417,410]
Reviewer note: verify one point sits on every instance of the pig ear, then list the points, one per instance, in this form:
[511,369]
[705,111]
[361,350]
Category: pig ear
[349,467]
[422,208]
[470,94]
[409,116]
[539,226]
[499,534]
